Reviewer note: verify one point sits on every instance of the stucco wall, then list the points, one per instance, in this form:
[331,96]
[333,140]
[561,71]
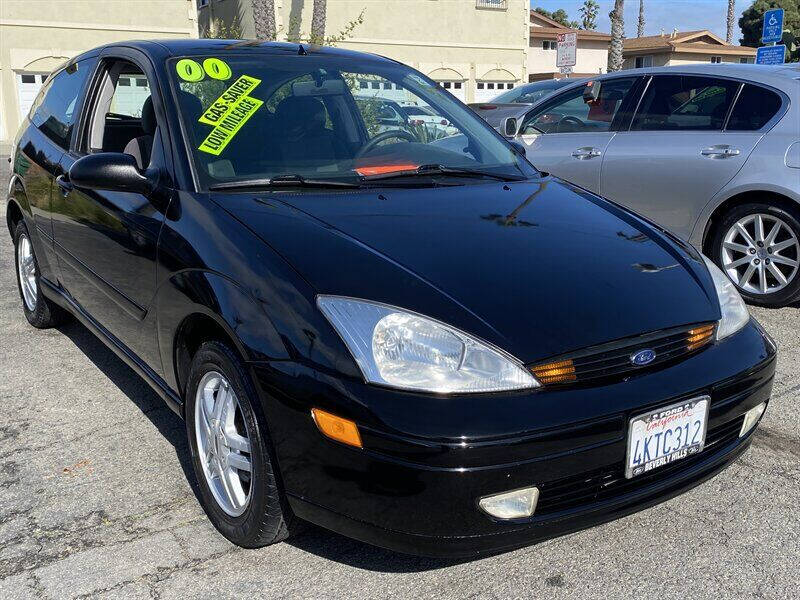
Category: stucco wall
[591,57]
[679,58]
[37,35]
[434,36]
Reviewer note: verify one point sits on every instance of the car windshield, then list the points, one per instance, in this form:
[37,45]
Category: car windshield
[321,118]
[532,92]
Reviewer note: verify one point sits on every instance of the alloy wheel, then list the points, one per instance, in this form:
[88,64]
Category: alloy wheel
[223,443]
[761,254]
[26,266]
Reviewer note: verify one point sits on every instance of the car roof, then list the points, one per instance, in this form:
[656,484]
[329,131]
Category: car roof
[781,76]
[200,47]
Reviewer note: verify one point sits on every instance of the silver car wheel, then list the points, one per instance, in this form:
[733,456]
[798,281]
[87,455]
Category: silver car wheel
[761,254]
[223,443]
[26,266]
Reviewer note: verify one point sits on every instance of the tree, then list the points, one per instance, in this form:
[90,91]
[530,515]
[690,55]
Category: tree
[617,36]
[559,15]
[589,12]
[264,19]
[753,18]
[318,22]
[731,16]
[640,28]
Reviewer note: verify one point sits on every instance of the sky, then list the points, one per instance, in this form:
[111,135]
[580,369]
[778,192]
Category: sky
[685,15]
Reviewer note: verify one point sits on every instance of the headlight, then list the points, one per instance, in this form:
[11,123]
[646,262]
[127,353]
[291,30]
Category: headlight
[402,349]
[734,311]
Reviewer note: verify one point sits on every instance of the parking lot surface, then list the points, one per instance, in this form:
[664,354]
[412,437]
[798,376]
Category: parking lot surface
[96,500]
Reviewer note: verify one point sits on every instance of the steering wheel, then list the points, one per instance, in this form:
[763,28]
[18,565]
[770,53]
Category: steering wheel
[570,119]
[382,137]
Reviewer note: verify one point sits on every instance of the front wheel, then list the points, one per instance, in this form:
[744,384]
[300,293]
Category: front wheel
[231,452]
[758,246]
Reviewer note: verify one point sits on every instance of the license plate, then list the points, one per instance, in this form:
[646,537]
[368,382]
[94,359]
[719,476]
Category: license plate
[662,436]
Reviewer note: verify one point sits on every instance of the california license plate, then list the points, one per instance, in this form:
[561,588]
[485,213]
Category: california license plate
[665,435]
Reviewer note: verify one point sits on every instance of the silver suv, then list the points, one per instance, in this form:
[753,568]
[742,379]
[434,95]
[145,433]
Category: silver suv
[711,152]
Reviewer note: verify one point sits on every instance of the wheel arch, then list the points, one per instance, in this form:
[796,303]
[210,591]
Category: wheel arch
[779,199]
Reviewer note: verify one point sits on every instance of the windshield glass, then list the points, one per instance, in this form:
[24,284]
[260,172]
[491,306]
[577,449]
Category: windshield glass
[321,117]
[532,92]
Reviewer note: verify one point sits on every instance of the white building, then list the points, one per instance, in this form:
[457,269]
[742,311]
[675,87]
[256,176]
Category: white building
[591,54]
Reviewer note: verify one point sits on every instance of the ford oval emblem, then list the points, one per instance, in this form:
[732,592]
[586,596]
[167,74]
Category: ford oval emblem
[643,357]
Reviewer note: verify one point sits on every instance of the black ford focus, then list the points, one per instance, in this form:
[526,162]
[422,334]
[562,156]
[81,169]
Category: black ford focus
[433,349]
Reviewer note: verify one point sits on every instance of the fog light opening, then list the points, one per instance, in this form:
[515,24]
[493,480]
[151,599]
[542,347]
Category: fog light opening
[516,504]
[751,418]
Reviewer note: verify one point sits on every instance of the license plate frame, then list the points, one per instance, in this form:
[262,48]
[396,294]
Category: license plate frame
[671,414]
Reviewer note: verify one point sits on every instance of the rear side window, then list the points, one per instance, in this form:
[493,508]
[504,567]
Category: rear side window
[56,112]
[685,103]
[754,108]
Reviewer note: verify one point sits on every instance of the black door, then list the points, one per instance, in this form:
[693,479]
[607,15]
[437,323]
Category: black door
[106,241]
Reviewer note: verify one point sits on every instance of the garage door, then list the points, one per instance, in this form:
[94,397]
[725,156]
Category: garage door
[485,91]
[457,88]
[28,86]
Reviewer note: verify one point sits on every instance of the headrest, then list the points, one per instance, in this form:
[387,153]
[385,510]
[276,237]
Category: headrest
[296,112]
[148,117]
[190,105]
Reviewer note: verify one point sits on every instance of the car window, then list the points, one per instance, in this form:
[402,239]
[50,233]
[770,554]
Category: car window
[570,113]
[55,113]
[753,109]
[324,117]
[682,102]
[130,94]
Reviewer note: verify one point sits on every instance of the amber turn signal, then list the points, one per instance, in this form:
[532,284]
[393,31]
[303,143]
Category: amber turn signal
[337,428]
[555,372]
[699,336]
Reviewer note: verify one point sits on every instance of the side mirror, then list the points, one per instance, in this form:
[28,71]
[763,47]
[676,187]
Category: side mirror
[112,171]
[509,127]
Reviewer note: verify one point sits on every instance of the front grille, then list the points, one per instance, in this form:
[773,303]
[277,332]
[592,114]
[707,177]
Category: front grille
[610,482]
[615,359]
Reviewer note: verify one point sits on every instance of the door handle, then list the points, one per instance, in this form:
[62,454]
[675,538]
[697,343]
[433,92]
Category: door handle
[64,184]
[720,152]
[586,153]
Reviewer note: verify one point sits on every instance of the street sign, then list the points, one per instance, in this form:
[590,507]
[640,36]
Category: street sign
[772,29]
[566,49]
[771,55]
[565,70]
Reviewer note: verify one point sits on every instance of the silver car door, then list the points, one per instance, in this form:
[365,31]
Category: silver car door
[567,136]
[676,155]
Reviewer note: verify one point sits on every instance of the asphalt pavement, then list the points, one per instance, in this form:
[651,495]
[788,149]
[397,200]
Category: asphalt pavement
[96,501]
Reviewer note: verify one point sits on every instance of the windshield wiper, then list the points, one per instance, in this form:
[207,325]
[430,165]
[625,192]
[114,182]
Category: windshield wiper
[434,169]
[282,181]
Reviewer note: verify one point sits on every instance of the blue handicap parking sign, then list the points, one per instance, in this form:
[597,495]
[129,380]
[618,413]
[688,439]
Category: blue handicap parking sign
[771,55]
[772,30]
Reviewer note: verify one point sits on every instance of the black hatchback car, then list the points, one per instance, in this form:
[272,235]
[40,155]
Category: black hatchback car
[443,352]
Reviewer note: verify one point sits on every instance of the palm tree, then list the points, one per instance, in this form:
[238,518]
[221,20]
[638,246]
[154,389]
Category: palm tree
[731,9]
[617,36]
[264,19]
[318,22]
[640,29]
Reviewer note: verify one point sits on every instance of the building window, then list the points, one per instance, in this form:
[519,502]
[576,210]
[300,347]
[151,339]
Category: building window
[28,78]
[363,85]
[746,60]
[643,62]
[495,4]
[457,85]
[549,45]
[201,3]
[716,59]
[481,85]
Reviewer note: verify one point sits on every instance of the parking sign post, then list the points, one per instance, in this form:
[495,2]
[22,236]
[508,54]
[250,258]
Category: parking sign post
[566,51]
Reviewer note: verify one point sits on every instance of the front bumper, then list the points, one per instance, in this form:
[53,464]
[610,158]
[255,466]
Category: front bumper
[415,491]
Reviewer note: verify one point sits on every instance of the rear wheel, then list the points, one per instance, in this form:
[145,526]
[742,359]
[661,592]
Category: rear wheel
[231,452]
[758,246]
[39,311]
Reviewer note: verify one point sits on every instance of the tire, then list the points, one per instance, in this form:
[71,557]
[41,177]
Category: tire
[262,516]
[39,311]
[763,287]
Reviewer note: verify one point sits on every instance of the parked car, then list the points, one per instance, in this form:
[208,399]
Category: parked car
[711,152]
[427,117]
[435,352]
[533,92]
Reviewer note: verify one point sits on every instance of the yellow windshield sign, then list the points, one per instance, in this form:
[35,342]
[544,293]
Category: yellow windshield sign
[243,85]
[235,117]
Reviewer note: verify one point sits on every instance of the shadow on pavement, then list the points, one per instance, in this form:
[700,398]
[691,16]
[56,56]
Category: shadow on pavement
[315,540]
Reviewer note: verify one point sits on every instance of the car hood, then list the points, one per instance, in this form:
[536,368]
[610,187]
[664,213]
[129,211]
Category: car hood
[538,268]
[494,113]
